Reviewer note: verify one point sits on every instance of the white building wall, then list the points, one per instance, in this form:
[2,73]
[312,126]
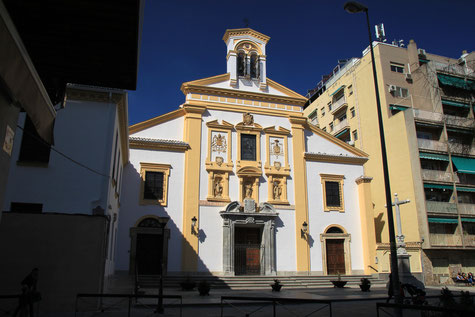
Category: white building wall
[131,210]
[210,240]
[170,130]
[319,220]
[286,257]
[83,131]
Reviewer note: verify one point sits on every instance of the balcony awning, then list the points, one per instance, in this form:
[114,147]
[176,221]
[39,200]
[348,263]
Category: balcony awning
[442,220]
[438,186]
[465,189]
[460,131]
[342,132]
[468,219]
[455,104]
[464,165]
[432,156]
[397,107]
[456,82]
[340,88]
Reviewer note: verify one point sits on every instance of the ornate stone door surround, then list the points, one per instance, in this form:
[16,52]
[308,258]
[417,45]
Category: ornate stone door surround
[263,216]
[336,232]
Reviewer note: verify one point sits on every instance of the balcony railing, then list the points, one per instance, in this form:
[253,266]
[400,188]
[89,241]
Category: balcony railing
[428,115]
[453,69]
[461,148]
[469,240]
[467,209]
[465,179]
[432,145]
[337,105]
[459,121]
[340,126]
[434,175]
[445,240]
[441,207]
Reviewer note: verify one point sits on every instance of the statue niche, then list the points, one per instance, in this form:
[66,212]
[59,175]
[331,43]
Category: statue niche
[217,186]
[277,190]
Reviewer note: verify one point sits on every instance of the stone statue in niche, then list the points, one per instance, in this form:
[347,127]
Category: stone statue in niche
[218,187]
[277,190]
[248,191]
[247,119]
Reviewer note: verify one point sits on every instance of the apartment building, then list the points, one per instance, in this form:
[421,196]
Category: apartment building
[427,105]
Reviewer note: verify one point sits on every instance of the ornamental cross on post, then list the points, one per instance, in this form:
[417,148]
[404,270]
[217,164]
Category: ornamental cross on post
[401,246]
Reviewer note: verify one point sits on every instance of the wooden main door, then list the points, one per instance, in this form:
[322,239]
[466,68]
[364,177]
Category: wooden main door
[335,256]
[247,251]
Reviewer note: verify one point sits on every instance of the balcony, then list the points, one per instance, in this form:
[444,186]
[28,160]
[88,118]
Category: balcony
[427,115]
[460,148]
[445,240]
[441,207]
[465,179]
[453,69]
[469,240]
[459,121]
[435,175]
[340,127]
[432,145]
[338,105]
[467,209]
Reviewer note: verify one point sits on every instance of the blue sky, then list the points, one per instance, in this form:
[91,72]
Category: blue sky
[182,40]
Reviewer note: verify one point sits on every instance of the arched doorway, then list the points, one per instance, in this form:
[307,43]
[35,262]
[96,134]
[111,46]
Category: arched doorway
[336,250]
[149,246]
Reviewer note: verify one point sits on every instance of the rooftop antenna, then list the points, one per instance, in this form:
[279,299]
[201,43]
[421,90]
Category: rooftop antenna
[246,22]
[380,34]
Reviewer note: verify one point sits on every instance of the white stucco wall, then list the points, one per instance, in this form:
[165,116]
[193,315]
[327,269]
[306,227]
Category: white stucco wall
[286,258]
[84,132]
[319,220]
[211,240]
[131,210]
[169,130]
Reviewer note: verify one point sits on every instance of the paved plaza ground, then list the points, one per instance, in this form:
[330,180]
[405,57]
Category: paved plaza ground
[346,302]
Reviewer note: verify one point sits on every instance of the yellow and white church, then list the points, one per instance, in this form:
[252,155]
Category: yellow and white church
[236,181]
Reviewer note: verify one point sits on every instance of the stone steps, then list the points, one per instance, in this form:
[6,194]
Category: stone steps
[256,282]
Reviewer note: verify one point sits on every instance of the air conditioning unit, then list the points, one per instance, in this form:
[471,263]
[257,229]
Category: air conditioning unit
[408,77]
[392,88]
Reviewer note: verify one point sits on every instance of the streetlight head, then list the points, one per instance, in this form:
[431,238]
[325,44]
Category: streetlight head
[354,7]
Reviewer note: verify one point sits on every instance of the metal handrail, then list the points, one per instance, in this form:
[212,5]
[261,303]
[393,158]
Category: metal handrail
[274,301]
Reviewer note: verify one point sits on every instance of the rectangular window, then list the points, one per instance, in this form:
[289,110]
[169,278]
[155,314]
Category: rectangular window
[332,186]
[350,90]
[355,135]
[33,148]
[353,112]
[324,129]
[323,111]
[329,106]
[248,147]
[400,92]
[330,126]
[397,68]
[154,188]
[332,191]
[342,118]
[26,208]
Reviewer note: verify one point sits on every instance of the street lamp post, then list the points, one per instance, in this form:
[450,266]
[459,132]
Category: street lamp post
[355,7]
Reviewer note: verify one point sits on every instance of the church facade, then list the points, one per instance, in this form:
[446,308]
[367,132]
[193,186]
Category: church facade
[236,181]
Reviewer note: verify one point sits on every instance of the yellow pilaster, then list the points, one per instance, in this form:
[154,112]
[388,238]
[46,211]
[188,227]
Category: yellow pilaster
[191,135]
[367,224]
[300,190]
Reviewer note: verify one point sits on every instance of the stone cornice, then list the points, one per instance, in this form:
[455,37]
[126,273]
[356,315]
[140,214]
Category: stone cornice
[273,130]
[245,31]
[322,157]
[224,125]
[187,88]
[158,144]
[363,179]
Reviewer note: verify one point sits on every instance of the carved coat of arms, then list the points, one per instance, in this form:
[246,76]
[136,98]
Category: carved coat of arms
[218,143]
[247,119]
